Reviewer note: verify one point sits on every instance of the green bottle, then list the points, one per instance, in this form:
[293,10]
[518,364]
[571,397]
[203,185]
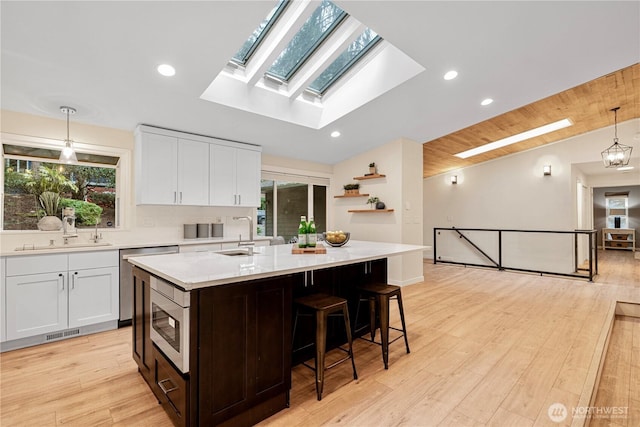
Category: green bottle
[302,232]
[312,235]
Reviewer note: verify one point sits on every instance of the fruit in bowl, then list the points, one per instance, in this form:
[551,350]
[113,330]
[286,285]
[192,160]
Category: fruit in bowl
[336,238]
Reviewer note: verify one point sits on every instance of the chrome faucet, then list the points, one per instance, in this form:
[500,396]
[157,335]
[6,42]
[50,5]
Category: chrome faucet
[96,237]
[249,242]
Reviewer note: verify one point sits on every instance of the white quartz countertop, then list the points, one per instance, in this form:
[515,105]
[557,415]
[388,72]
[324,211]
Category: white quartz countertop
[34,249]
[203,269]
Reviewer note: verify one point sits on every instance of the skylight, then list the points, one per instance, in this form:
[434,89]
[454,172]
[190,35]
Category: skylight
[251,44]
[288,68]
[346,60]
[320,24]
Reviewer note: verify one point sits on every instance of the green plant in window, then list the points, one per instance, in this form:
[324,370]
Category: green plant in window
[48,179]
[87,213]
[49,202]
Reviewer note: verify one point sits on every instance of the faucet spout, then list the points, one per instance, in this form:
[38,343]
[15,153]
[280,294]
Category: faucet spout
[250,242]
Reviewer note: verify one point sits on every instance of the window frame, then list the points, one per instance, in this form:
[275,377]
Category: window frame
[624,219]
[123,171]
[312,49]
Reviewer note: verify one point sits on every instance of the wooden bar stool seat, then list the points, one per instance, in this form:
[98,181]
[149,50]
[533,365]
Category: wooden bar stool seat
[321,306]
[378,295]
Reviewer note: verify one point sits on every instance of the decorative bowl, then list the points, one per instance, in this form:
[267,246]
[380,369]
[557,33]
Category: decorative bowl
[336,238]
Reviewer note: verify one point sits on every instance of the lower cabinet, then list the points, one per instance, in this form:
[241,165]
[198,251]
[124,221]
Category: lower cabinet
[61,291]
[171,389]
[244,351]
[141,324]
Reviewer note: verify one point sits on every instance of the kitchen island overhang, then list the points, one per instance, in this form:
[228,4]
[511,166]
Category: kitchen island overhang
[196,270]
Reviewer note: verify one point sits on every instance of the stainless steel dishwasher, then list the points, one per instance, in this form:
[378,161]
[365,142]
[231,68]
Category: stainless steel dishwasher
[126,277]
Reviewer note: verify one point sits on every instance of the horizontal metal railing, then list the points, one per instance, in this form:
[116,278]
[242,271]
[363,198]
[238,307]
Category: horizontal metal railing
[497,262]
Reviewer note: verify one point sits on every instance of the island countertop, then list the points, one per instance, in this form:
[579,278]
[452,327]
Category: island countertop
[197,270]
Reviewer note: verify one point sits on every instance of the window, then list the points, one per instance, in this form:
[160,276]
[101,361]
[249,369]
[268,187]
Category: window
[244,54]
[345,61]
[318,27]
[617,205]
[285,199]
[89,187]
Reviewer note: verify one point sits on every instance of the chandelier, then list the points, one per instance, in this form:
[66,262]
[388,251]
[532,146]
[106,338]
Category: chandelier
[618,154]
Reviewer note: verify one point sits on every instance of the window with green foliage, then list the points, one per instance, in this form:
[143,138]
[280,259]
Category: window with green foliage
[90,189]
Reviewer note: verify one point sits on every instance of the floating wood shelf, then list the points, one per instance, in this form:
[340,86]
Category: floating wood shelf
[370,210]
[374,176]
[351,195]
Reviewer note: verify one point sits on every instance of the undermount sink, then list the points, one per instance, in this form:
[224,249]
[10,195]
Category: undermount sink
[235,252]
[30,247]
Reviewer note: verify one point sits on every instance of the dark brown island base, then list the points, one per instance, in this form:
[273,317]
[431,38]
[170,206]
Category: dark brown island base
[218,353]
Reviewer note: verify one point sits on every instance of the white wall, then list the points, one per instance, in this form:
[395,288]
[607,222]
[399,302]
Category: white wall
[401,162]
[512,193]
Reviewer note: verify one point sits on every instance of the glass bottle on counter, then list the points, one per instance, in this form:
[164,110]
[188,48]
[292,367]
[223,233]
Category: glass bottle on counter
[302,232]
[312,235]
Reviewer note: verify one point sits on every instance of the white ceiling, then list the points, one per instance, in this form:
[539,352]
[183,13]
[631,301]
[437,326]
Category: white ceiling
[100,57]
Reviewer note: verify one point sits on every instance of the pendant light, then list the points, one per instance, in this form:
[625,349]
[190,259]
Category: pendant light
[618,154]
[68,154]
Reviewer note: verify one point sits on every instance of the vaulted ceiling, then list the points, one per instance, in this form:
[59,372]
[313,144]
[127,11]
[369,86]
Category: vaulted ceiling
[587,106]
[100,57]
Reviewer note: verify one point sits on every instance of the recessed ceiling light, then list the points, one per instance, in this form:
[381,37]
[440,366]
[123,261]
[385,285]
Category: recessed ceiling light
[450,75]
[625,168]
[486,101]
[515,138]
[335,134]
[166,70]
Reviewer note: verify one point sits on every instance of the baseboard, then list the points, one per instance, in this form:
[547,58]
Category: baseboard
[57,336]
[411,281]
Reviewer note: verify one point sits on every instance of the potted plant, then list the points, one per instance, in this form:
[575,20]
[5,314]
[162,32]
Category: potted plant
[372,168]
[372,201]
[351,189]
[49,202]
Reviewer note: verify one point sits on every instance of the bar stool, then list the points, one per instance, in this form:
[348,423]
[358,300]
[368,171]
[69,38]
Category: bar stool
[379,294]
[322,306]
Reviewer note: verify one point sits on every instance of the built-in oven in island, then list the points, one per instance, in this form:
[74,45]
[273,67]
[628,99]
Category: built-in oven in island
[170,322]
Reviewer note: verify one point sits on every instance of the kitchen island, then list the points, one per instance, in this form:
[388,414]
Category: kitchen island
[235,333]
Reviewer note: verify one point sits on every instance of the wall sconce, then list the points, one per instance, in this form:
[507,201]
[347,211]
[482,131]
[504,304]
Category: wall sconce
[546,170]
[454,179]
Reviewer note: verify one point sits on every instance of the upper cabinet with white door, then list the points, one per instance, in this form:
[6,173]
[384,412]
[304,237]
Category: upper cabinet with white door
[234,177]
[171,170]
[176,168]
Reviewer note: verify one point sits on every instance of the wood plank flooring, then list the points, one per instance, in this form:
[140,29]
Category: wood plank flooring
[620,381]
[487,348]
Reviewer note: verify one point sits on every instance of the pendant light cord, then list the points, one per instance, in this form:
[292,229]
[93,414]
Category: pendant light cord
[615,126]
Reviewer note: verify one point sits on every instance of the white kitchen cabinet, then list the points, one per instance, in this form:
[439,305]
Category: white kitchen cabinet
[171,170]
[234,176]
[93,296]
[54,292]
[36,304]
[93,287]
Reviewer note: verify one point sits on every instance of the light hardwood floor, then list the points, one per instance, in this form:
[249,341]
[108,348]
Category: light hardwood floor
[487,348]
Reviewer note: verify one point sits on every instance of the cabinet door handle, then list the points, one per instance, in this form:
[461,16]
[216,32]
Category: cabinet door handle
[235,199]
[164,389]
[239,199]
[62,276]
[73,280]
[181,197]
[175,197]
